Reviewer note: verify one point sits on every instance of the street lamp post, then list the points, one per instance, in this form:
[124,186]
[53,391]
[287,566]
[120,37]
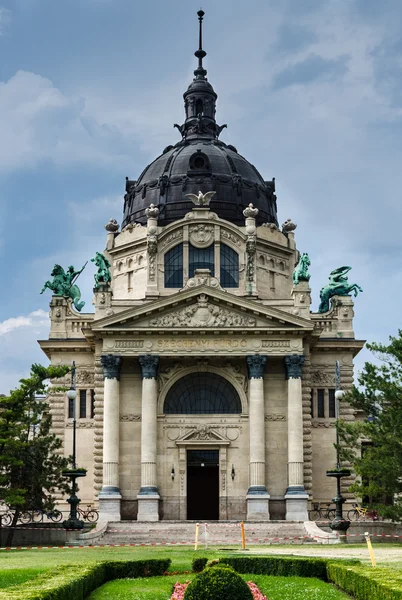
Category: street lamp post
[73,522]
[339,523]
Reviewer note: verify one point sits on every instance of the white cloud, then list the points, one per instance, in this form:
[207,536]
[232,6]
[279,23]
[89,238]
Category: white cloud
[38,123]
[5,21]
[35,319]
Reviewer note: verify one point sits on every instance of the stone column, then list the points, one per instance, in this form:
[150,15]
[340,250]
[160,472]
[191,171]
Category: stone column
[296,496]
[148,497]
[257,494]
[109,496]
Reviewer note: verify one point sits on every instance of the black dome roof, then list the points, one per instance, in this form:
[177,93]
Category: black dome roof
[200,162]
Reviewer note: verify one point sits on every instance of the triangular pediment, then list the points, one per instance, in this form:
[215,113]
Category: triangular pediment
[202,309]
[203,435]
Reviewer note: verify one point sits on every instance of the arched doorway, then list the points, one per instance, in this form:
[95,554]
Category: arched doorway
[202,393]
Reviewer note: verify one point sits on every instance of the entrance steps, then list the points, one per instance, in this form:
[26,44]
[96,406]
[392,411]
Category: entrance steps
[212,533]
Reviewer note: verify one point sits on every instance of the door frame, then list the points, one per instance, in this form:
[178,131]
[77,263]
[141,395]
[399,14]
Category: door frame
[222,450]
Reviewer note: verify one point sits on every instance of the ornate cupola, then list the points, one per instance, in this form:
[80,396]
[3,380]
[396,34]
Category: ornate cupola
[200,100]
[200,161]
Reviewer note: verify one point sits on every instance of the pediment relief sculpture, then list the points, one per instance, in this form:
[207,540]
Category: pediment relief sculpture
[201,435]
[204,314]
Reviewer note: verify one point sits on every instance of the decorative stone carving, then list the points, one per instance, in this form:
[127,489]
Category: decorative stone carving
[228,235]
[202,277]
[85,377]
[203,434]
[152,247]
[149,365]
[251,246]
[237,374]
[203,314]
[81,425]
[250,212]
[256,366]
[152,212]
[175,235]
[294,366]
[130,417]
[201,199]
[322,378]
[201,235]
[325,424]
[167,372]
[111,366]
[275,417]
[112,226]
[288,226]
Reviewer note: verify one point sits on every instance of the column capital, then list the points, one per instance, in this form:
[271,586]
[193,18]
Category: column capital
[294,365]
[256,365]
[111,364]
[149,365]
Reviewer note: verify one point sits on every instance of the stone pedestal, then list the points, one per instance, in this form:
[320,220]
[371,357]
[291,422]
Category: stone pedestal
[257,494]
[296,497]
[109,496]
[148,497]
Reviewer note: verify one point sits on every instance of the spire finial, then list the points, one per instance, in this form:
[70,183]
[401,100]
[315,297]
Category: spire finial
[200,72]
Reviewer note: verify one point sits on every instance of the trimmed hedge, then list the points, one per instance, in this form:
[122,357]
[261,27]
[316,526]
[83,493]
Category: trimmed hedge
[77,582]
[198,564]
[367,583]
[361,581]
[282,565]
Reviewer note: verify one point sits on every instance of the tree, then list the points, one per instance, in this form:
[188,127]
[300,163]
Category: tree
[30,465]
[379,396]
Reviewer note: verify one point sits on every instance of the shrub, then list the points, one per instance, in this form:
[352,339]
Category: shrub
[218,583]
[279,565]
[69,582]
[366,583]
[198,564]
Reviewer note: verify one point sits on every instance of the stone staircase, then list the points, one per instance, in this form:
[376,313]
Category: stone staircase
[226,533]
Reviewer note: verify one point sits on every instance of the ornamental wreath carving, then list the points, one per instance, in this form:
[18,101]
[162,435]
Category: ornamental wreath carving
[203,314]
[321,378]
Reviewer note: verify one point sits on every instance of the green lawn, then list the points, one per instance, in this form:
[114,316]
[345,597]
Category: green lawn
[275,588]
[11,576]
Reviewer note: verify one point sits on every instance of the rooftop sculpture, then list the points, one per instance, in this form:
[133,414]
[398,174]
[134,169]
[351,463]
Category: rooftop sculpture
[63,284]
[338,286]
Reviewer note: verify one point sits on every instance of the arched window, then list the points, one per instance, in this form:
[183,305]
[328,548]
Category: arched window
[229,267]
[199,108]
[202,393]
[201,258]
[174,267]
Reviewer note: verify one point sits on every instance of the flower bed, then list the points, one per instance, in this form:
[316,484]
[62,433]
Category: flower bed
[180,588]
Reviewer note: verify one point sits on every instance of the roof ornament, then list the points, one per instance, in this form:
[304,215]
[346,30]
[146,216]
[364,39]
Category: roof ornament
[201,199]
[200,72]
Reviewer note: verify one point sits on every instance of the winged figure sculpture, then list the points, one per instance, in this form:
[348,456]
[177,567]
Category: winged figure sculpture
[201,199]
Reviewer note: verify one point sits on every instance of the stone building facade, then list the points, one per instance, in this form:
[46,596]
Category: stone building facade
[205,384]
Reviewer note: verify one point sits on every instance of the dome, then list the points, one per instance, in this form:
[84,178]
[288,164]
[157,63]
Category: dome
[200,162]
[206,165]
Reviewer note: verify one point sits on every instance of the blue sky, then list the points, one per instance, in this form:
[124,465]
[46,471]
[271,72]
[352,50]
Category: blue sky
[89,92]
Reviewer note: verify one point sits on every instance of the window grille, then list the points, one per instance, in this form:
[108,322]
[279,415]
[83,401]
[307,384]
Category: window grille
[174,267]
[202,393]
[71,407]
[320,404]
[201,258]
[229,267]
[83,404]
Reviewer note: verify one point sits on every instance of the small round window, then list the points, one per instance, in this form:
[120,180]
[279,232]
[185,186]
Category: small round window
[199,162]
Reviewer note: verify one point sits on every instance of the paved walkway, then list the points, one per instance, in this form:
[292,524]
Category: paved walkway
[383,554]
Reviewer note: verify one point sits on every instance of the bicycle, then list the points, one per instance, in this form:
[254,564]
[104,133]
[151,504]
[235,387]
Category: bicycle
[358,513]
[36,516]
[90,514]
[321,513]
[6,519]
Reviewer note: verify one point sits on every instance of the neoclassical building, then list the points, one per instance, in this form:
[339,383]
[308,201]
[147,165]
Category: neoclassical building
[205,383]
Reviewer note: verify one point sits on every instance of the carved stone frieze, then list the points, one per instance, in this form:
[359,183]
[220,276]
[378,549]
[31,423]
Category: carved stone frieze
[81,425]
[275,417]
[322,378]
[325,424]
[172,237]
[228,235]
[203,277]
[85,377]
[201,235]
[203,314]
[130,417]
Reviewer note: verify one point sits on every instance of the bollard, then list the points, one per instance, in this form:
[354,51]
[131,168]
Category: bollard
[197,528]
[370,549]
[243,537]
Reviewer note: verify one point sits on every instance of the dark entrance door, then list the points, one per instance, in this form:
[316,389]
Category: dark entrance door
[203,485]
